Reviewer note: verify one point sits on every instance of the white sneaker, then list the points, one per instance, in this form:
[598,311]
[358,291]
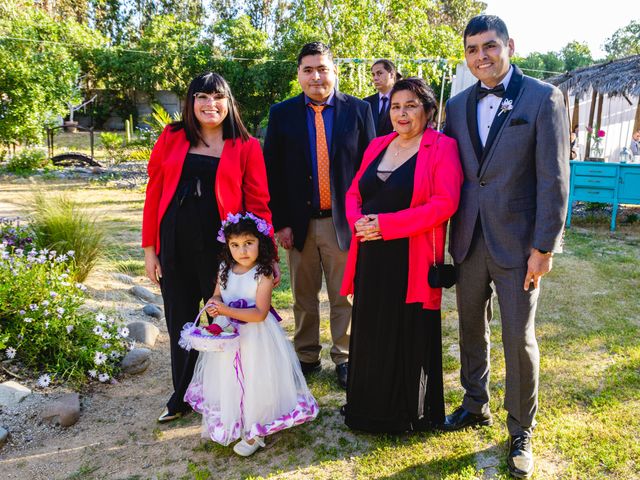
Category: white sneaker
[245,449]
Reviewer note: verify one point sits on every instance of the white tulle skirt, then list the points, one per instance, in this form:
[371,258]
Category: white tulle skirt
[253,391]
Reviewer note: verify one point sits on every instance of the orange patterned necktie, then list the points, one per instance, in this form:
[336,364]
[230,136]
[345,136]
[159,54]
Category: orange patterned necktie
[322,157]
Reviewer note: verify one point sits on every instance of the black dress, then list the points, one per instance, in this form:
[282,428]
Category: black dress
[395,354]
[189,260]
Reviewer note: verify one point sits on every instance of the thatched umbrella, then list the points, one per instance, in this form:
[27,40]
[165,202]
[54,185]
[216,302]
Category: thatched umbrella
[613,78]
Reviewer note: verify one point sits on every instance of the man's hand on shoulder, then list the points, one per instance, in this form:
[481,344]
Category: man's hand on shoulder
[538,265]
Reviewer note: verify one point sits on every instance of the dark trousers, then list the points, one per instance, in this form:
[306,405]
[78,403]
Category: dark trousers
[478,276]
[186,281]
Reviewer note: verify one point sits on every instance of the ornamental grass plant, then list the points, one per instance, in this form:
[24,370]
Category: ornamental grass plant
[43,325]
[58,223]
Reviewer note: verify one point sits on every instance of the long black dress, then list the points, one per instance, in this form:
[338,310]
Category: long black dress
[395,354]
[189,261]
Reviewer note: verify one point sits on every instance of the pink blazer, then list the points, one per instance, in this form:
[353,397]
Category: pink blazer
[436,192]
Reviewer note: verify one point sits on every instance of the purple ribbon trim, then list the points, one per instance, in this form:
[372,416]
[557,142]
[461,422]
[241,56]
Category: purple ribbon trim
[237,365]
[242,303]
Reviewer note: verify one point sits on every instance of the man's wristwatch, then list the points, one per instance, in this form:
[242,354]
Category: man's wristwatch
[545,252]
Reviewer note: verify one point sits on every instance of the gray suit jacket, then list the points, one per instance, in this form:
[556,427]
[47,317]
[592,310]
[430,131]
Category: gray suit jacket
[518,184]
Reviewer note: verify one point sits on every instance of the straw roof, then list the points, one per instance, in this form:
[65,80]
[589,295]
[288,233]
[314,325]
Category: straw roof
[614,78]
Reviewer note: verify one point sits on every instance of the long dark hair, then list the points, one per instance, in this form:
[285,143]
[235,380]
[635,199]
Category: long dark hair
[232,125]
[266,249]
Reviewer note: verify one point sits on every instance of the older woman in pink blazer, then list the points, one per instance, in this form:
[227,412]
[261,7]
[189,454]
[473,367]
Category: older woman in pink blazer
[407,188]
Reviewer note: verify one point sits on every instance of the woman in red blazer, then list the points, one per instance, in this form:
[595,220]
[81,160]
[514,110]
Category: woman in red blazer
[201,169]
[407,188]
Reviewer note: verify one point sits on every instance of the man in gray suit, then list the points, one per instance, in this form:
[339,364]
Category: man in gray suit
[513,137]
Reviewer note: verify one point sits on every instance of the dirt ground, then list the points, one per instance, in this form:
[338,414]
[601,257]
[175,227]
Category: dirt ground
[117,435]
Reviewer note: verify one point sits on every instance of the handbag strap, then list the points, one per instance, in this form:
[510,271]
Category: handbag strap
[433,230]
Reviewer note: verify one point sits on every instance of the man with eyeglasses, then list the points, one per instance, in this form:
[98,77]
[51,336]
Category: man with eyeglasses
[313,148]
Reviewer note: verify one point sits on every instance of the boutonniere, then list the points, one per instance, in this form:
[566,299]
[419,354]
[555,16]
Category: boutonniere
[505,106]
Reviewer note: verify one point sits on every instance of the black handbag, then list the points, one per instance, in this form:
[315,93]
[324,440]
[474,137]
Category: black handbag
[441,275]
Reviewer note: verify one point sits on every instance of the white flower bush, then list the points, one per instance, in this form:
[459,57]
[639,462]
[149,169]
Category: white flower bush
[43,325]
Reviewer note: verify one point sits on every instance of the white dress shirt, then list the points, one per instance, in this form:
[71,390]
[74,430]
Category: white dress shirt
[488,107]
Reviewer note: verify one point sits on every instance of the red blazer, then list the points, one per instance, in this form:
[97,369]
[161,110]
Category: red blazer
[436,192]
[241,180]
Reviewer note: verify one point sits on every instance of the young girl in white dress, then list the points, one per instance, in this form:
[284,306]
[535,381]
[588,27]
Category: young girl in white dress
[257,389]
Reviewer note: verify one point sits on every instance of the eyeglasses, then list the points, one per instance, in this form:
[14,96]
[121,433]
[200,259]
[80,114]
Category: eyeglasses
[204,97]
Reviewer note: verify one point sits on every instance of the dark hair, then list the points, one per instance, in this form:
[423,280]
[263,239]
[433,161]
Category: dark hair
[421,90]
[389,66]
[232,126]
[266,249]
[314,48]
[484,23]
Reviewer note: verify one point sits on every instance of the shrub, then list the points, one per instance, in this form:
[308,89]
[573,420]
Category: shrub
[114,145]
[111,140]
[58,223]
[43,324]
[14,235]
[27,160]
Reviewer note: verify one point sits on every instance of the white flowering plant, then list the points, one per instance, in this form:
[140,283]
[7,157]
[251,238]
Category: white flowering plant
[44,326]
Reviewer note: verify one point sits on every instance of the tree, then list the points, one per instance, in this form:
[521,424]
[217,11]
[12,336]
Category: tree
[624,42]
[368,29]
[38,76]
[541,65]
[576,55]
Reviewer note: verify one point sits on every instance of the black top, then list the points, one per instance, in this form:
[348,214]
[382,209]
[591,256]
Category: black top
[192,220]
[397,188]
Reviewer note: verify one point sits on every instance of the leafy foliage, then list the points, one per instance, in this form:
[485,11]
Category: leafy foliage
[36,79]
[58,223]
[624,42]
[42,322]
[543,65]
[27,160]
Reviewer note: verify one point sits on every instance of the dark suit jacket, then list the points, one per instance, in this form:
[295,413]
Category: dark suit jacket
[383,125]
[518,184]
[287,156]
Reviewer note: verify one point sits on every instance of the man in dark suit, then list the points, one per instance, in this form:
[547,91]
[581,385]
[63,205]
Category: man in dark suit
[513,137]
[384,75]
[313,148]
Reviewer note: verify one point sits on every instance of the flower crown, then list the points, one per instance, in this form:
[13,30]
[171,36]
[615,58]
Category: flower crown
[263,226]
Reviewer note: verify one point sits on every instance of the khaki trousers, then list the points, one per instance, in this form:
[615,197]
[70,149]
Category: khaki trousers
[320,254]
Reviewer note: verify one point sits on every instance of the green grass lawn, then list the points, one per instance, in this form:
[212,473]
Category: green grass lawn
[588,327]
[589,335]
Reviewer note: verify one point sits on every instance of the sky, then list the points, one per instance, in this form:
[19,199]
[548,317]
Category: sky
[548,25]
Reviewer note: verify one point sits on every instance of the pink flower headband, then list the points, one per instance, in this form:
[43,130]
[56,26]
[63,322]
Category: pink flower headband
[262,225]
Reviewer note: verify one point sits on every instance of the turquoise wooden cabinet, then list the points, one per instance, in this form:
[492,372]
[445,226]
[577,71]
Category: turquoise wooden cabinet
[613,183]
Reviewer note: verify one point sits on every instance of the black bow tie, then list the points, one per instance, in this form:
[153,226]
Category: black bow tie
[498,91]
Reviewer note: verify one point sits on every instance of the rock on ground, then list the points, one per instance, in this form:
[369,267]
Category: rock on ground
[136,361]
[65,411]
[121,277]
[152,310]
[144,332]
[12,392]
[145,294]
[4,434]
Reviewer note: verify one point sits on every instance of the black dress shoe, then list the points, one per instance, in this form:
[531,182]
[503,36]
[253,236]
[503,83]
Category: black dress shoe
[310,367]
[342,371]
[462,418]
[520,459]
